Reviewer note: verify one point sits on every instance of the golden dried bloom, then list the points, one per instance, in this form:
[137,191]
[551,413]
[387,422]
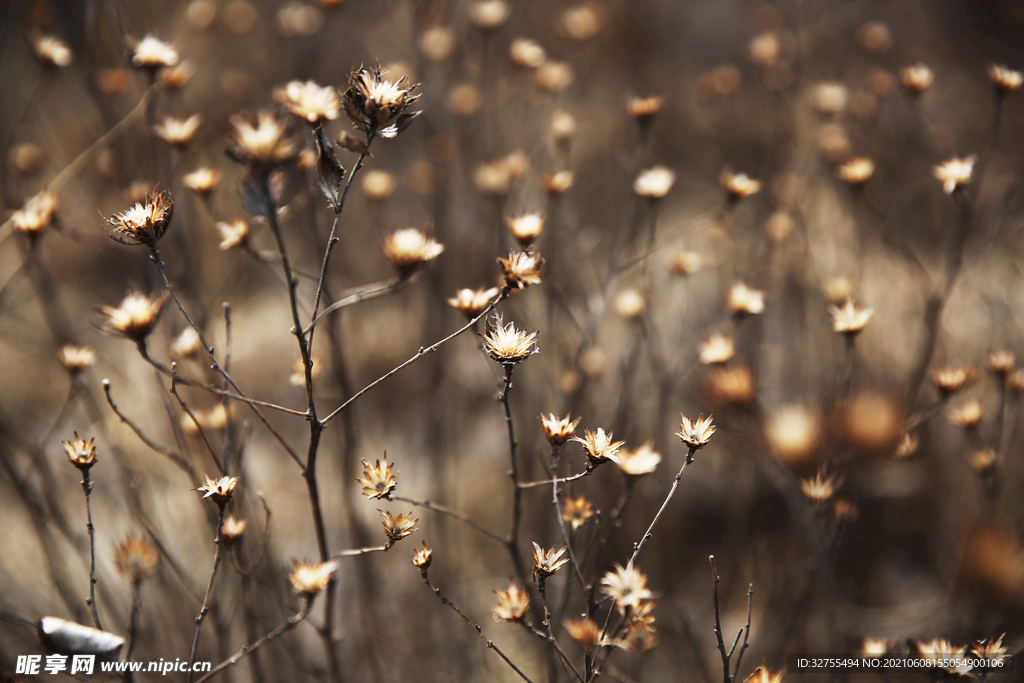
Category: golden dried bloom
[844,509]
[26,159]
[644,109]
[522,268]
[686,262]
[1015,381]
[875,37]
[262,140]
[598,446]
[525,227]
[967,415]
[178,132]
[559,182]
[527,53]
[731,384]
[306,160]
[873,647]
[765,675]
[717,349]
[136,559]
[488,15]
[627,587]
[638,461]
[298,376]
[50,49]
[629,304]
[576,511]
[821,487]
[145,223]
[738,186]
[562,127]
[37,214]
[856,171]
[232,529]
[982,460]
[951,379]
[743,300]
[200,14]
[309,101]
[376,105]
[586,632]
[655,182]
[938,649]
[833,142]
[1004,78]
[991,648]
[437,43]
[204,181]
[186,344]
[234,233]
[871,420]
[512,604]
[176,77]
[546,562]
[828,98]
[907,445]
[1001,362]
[696,434]
[136,315]
[409,249]
[839,289]
[422,558]
[793,433]
[765,49]
[220,490]
[153,53]
[917,78]
[955,172]
[492,179]
[850,319]
[378,480]
[215,417]
[558,431]
[582,22]
[75,358]
[506,344]
[398,527]
[464,101]
[310,578]
[473,302]
[81,453]
[554,77]
[640,636]
[378,185]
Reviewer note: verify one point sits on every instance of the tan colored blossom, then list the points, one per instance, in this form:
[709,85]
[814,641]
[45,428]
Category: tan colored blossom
[844,509]
[982,460]
[262,140]
[204,181]
[1015,381]
[232,528]
[655,182]
[951,379]
[145,223]
[644,109]
[397,528]
[582,22]
[50,49]
[176,77]
[136,315]
[506,344]
[875,37]
[874,647]
[512,604]
[378,480]
[547,562]
[856,171]
[562,127]
[576,511]
[234,233]
[558,431]
[738,185]
[136,559]
[939,649]
[697,433]
[732,384]
[828,98]
[821,487]
[310,578]
[75,358]
[153,53]
[559,182]
[793,433]
[522,268]
[488,15]
[554,77]
[1001,362]
[629,304]
[586,632]
[220,490]
[955,172]
[376,105]
[215,417]
[637,462]
[409,249]
[839,289]
[422,558]
[378,185]
[686,262]
[598,446]
[178,132]
[37,214]
[763,674]
[717,349]
[309,101]
[917,78]
[81,453]
[472,303]
[992,648]
[743,300]
[527,53]
[967,415]
[627,587]
[526,228]
[765,49]
[1004,78]
[437,43]
[850,319]
[186,344]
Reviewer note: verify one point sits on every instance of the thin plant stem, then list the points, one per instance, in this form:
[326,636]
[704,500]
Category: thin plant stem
[359,295]
[729,673]
[162,450]
[87,488]
[132,621]
[547,482]
[675,484]
[364,551]
[556,500]
[550,635]
[209,592]
[199,428]
[451,513]
[512,541]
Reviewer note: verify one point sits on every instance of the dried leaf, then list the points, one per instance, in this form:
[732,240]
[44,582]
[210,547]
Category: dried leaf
[329,171]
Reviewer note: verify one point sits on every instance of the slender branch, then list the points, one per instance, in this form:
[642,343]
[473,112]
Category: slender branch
[548,482]
[364,551]
[209,592]
[517,496]
[132,621]
[675,484]
[162,450]
[451,513]
[746,633]
[366,293]
[198,426]
[87,488]
[718,623]
[556,500]
[550,636]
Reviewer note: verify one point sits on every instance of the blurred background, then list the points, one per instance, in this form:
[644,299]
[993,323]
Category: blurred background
[920,537]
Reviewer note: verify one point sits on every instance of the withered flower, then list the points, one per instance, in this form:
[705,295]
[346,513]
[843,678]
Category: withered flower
[554,77]
[765,675]
[378,185]
[309,101]
[856,171]
[50,49]
[422,558]
[376,105]
[686,262]
[644,109]
[378,480]
[397,528]
[488,15]
[409,249]
[586,632]
[638,461]
[559,182]
[967,415]
[81,453]
[233,234]
[743,300]
[506,344]
[1015,381]
[547,562]
[186,344]
[850,319]
[828,98]
[151,53]
[627,587]
[582,21]
[178,132]
[558,431]
[562,127]
[982,460]
[629,304]
[204,181]
[437,43]
[733,384]
[954,173]
[655,182]
[738,186]
[136,559]
[821,487]
[793,433]
[298,376]
[37,214]
[917,78]
[576,511]
[1005,79]
[717,349]
[176,77]
[310,578]
[262,140]
[522,268]
[1001,362]
[990,648]
[951,379]
[696,434]
[232,528]
[472,303]
[525,227]
[527,53]
[220,490]
[215,417]
[598,446]
[907,445]
[136,315]
[75,358]
[512,604]
[145,223]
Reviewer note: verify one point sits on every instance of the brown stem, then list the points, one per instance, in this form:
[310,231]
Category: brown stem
[87,488]
[675,485]
[451,513]
[209,592]
[162,450]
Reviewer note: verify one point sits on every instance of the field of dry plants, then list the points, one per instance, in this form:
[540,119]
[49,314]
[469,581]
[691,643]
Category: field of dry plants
[498,340]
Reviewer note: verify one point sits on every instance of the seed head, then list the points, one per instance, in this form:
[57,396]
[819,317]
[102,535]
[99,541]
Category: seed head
[875,37]
[1001,362]
[437,43]
[738,186]
[949,380]
[629,304]
[850,319]
[655,182]
[81,453]
[506,344]
[856,171]
[967,415]
[522,268]
[954,173]
[907,445]
[765,49]
[136,315]
[829,98]
[310,578]
[213,418]
[982,461]
[793,433]
[234,233]
[582,22]
[220,490]
[262,140]
[839,289]
[743,300]
[696,434]
[378,185]
[765,675]
[309,101]
[203,181]
[547,562]
[554,77]
[397,528]
[1015,381]
[990,648]
[717,349]
[512,604]
[598,446]
[37,214]
[422,558]
[562,127]
[50,49]
[473,302]
[638,461]
[821,487]
[917,78]
[557,431]
[378,481]
[527,53]
[526,228]
[627,587]
[145,223]
[376,105]
[136,559]
[232,529]
[1005,79]
[178,132]
[559,182]
[410,249]
[176,77]
[76,359]
[152,53]
[576,511]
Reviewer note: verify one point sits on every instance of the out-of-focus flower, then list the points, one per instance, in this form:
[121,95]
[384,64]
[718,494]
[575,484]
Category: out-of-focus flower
[1005,79]
[586,632]
[310,578]
[204,181]
[176,77]
[967,415]
[793,433]
[178,132]
[232,528]
[644,109]
[309,101]
[829,98]
[145,223]
[136,559]
[850,319]
[731,384]
[136,315]
[81,453]
[378,480]
[488,15]
[559,182]
[582,22]
[955,172]
[527,53]
[821,487]
[378,185]
[717,349]
[627,587]
[907,445]
[765,675]
[598,446]
[410,249]
[473,302]
[1001,362]
[234,233]
[215,417]
[638,461]
[576,511]
[655,182]
[982,461]
[738,186]
[554,77]
[744,300]
[526,228]
[37,214]
[917,78]
[949,380]
[629,304]
[262,140]
[76,359]
[856,171]
[152,53]
[50,49]
[686,262]
[512,604]
[298,376]
[437,43]
[186,344]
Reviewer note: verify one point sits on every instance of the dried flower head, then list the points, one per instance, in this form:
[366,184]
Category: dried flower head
[598,446]
[488,15]
[717,349]
[627,587]
[554,77]
[437,43]
[262,140]
[850,319]
[310,102]
[50,49]
[378,185]
[298,376]
[186,344]
[917,78]
[152,53]
[378,480]
[696,434]
[907,445]
[967,415]
[473,302]
[232,528]
[145,223]
[220,490]
[949,380]
[991,648]
[37,214]
[562,127]
[828,98]
[629,304]
[939,649]
[547,562]
[738,186]
[731,384]
[644,109]
[839,289]
[376,105]
[743,300]
[204,181]
[765,49]
[954,173]
[875,37]
[136,315]
[178,132]
[213,418]
[527,53]
[522,268]
[655,182]
[638,461]
[1015,381]
[397,528]
[1001,362]
[410,249]
[525,227]
[176,77]
[558,431]
[422,558]
[310,578]
[512,604]
[76,358]
[586,632]
[1005,79]
[81,453]
[559,182]
[234,233]
[506,344]
[982,460]
[582,22]
[576,511]
[821,487]
[686,262]
[793,433]
[26,159]
[136,559]
[856,171]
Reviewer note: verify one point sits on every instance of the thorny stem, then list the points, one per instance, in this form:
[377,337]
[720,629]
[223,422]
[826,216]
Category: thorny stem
[728,677]
[246,650]
[209,592]
[451,513]
[475,627]
[675,484]
[87,488]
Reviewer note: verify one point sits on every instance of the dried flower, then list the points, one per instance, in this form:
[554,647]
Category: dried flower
[643,109]
[378,185]
[655,182]
[732,384]
[234,233]
[1005,79]
[696,434]
[488,15]
[204,181]
[546,562]
[557,431]
[874,36]
[856,171]
[828,98]
[422,558]
[951,379]
[525,227]
[310,578]
[940,649]
[522,268]
[50,49]
[409,249]
[638,461]
[1001,362]
[559,182]
[627,587]
[554,77]
[838,289]
[598,446]
[527,53]
[967,415]
[376,105]
[629,304]
[136,315]
[991,648]
[907,445]
[176,77]
[437,43]
[298,376]
[917,78]
[582,22]
[586,632]
[37,214]
[136,559]
[398,527]
[562,127]
[821,487]
[512,604]
[75,358]
[262,140]
[309,101]
[850,319]
[220,490]
[765,675]
[473,302]
[743,300]
[793,433]
[152,53]
[717,349]
[686,262]
[178,132]
[765,49]
[81,453]
[232,529]
[26,159]
[982,460]
[186,344]
[576,511]
[506,344]
[215,417]
[145,223]
[955,172]
[738,186]
[1015,381]
[378,481]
